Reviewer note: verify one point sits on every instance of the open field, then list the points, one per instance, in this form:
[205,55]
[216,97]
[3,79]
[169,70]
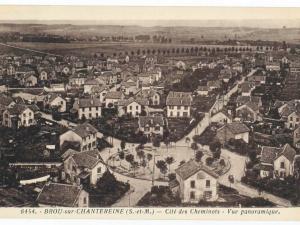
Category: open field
[90,48]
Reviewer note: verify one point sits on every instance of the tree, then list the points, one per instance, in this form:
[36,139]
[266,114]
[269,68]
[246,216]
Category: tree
[231,179]
[209,161]
[108,182]
[123,144]
[141,155]
[199,155]
[222,162]
[149,158]
[129,158]
[182,162]
[167,142]
[195,147]
[162,166]
[156,142]
[134,165]
[121,155]
[169,160]
[215,146]
[172,176]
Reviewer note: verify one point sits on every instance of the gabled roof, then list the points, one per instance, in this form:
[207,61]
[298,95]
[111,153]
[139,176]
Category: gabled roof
[91,81]
[84,130]
[179,99]
[89,102]
[269,154]
[87,159]
[191,167]
[114,95]
[17,109]
[126,102]
[236,128]
[56,194]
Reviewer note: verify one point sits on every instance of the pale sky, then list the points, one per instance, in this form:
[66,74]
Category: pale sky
[151,16]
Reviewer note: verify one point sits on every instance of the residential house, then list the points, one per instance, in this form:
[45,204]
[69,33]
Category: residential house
[78,79]
[99,92]
[202,90]
[295,67]
[277,162]
[112,98]
[29,80]
[242,100]
[62,195]
[214,84]
[248,112]
[133,107]
[19,115]
[222,117]
[5,102]
[194,182]
[257,80]
[83,136]
[83,167]
[109,77]
[88,108]
[235,130]
[293,120]
[296,137]
[151,125]
[130,86]
[151,95]
[55,101]
[246,88]
[273,66]
[179,104]
[89,84]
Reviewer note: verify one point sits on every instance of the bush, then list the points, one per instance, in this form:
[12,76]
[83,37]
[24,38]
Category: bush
[209,161]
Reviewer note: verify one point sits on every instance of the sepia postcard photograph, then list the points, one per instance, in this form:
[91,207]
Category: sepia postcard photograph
[118,112]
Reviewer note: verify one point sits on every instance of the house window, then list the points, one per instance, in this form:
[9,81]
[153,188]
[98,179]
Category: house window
[30,121]
[137,107]
[291,118]
[90,115]
[61,103]
[171,113]
[185,114]
[24,114]
[297,119]
[192,184]
[130,107]
[30,114]
[207,183]
[157,128]
[97,115]
[97,108]
[84,200]
[185,108]
[178,114]
[99,170]
[207,194]
[90,108]
[282,165]
[192,195]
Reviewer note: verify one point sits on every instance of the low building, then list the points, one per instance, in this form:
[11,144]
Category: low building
[83,167]
[222,117]
[151,125]
[293,120]
[88,108]
[151,95]
[133,107]
[89,84]
[112,98]
[296,137]
[277,162]
[52,101]
[248,112]
[202,90]
[179,104]
[19,115]
[83,136]
[195,182]
[235,130]
[62,195]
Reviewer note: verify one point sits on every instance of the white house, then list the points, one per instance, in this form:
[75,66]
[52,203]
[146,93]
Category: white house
[83,136]
[112,98]
[151,125]
[195,182]
[277,162]
[133,107]
[235,130]
[19,115]
[179,104]
[83,167]
[88,108]
[55,100]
